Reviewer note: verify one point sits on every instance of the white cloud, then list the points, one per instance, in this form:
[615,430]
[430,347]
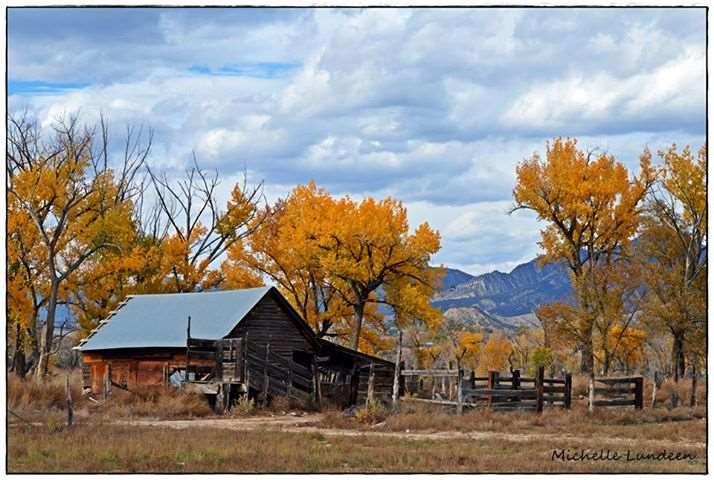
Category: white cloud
[433,106]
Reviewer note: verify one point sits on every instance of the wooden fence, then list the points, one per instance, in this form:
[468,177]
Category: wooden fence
[619,392]
[502,393]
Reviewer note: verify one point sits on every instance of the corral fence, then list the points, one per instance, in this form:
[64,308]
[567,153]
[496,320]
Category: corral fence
[500,393]
[619,392]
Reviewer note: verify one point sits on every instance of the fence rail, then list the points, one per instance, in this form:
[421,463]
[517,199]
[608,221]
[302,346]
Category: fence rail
[619,392]
[501,393]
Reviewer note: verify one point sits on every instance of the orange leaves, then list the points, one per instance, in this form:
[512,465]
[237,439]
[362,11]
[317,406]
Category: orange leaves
[626,344]
[330,255]
[235,271]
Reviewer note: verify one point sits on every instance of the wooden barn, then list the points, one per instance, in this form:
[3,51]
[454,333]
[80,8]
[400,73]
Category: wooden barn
[226,343]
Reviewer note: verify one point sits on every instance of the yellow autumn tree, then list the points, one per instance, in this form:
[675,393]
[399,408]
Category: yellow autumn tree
[592,208]
[65,195]
[673,249]
[369,247]
[337,260]
[495,353]
[626,345]
[466,348]
[286,249]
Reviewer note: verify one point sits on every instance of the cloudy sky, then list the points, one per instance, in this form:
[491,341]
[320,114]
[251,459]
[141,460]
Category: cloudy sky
[432,106]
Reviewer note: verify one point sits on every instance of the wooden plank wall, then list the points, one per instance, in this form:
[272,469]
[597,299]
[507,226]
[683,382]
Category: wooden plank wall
[267,323]
[382,386]
[134,370]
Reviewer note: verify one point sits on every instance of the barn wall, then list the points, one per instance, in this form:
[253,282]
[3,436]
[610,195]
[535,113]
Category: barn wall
[268,322]
[135,368]
[383,383]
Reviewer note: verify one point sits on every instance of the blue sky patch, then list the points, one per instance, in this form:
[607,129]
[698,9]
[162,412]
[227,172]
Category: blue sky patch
[257,69]
[37,87]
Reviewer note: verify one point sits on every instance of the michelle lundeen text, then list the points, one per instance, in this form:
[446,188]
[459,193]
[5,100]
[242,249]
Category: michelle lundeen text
[607,455]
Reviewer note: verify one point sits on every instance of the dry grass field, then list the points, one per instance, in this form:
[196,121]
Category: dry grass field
[156,431]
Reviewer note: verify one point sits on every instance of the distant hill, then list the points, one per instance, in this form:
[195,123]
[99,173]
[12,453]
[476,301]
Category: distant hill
[503,300]
[454,277]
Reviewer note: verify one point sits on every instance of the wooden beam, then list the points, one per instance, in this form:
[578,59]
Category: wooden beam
[539,389]
[395,386]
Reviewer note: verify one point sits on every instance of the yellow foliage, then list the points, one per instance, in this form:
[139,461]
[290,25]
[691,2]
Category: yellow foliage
[495,353]
[330,255]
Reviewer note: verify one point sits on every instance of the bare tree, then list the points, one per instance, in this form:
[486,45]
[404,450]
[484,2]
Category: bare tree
[186,210]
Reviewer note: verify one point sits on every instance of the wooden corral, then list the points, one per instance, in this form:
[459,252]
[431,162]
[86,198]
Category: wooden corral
[498,392]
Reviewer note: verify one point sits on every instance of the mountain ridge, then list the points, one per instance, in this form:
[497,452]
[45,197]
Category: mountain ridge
[501,300]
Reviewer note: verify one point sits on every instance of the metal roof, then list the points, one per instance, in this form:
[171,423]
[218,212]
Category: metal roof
[160,320]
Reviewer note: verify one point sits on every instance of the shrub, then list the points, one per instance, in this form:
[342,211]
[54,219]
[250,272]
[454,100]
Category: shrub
[372,413]
[244,407]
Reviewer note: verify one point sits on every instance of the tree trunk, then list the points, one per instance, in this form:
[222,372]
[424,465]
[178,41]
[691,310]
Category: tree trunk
[586,358]
[18,359]
[357,318]
[607,360]
[678,355]
[49,331]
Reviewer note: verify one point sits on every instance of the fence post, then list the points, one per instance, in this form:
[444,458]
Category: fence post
[492,384]
[219,399]
[108,381]
[473,379]
[460,392]
[188,348]
[539,388]
[370,385]
[70,407]
[266,377]
[568,389]
[516,383]
[639,382]
[395,386]
[246,370]
[218,368]
[316,382]
[655,385]
[693,393]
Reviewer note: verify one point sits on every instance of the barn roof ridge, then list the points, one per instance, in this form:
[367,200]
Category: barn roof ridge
[202,292]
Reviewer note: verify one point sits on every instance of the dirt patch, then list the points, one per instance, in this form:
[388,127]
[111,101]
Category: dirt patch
[305,424]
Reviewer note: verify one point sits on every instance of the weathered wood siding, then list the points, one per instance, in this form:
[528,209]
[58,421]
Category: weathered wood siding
[269,322]
[136,367]
[383,383]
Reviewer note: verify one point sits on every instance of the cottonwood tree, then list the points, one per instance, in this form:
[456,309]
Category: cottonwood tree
[63,192]
[371,247]
[285,249]
[593,209]
[330,256]
[495,353]
[673,247]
